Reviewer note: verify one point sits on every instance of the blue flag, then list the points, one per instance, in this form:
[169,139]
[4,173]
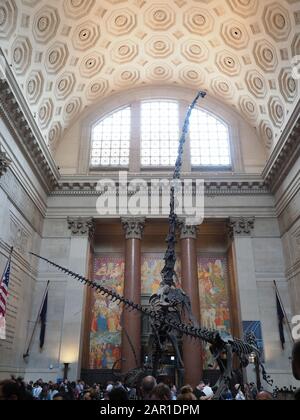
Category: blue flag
[43,322]
[281,316]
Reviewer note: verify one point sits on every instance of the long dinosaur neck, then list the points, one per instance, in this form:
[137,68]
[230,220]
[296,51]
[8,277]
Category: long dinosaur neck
[168,272]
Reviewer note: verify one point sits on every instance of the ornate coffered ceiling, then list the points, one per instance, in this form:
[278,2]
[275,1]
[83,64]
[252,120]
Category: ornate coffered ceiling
[69,54]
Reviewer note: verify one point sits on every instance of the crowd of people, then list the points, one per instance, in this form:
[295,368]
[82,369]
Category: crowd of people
[17,389]
[149,389]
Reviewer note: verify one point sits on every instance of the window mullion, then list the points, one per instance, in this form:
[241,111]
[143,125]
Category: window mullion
[186,167]
[135,140]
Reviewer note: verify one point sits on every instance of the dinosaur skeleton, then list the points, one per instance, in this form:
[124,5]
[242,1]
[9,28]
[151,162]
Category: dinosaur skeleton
[170,305]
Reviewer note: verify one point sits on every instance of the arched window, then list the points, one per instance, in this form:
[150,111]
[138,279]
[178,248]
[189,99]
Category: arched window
[111,140]
[210,145]
[155,136]
[159,133]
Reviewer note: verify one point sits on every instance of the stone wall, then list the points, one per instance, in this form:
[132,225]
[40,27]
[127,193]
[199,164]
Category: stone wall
[288,208]
[22,209]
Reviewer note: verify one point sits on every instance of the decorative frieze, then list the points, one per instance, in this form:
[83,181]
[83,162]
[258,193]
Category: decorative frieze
[4,162]
[240,226]
[133,227]
[23,128]
[212,188]
[81,226]
[285,153]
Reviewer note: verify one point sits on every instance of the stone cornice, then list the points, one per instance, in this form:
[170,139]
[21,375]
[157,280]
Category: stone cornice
[220,185]
[285,152]
[21,124]
[4,162]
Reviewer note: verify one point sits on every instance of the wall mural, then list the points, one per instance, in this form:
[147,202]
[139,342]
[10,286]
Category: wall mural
[152,265]
[214,297]
[105,330]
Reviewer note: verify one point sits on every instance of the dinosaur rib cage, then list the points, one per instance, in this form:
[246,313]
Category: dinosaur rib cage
[208,336]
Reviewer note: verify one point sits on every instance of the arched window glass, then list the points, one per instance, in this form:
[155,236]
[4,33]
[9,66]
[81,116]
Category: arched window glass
[111,140]
[159,133]
[210,145]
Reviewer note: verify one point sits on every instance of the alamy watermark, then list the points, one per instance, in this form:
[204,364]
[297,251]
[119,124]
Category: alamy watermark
[296,327]
[151,198]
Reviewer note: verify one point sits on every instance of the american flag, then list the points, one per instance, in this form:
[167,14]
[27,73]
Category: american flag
[3,301]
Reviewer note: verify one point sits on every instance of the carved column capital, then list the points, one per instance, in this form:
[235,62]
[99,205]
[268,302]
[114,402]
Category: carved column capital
[240,226]
[4,162]
[81,226]
[187,231]
[133,227]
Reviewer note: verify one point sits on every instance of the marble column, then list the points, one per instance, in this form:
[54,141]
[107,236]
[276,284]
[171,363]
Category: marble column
[73,323]
[192,350]
[240,231]
[132,323]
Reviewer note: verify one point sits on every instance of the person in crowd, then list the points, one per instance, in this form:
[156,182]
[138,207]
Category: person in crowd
[148,384]
[14,390]
[296,361]
[161,393]
[208,392]
[239,393]
[36,391]
[174,392]
[118,393]
[264,396]
[186,394]
[198,391]
[296,366]
[227,395]
[59,397]
[53,390]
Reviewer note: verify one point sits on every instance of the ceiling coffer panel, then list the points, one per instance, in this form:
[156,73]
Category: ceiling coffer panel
[68,55]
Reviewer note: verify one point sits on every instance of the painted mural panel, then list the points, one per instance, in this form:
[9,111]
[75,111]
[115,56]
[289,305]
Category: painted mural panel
[214,297]
[152,265]
[106,330]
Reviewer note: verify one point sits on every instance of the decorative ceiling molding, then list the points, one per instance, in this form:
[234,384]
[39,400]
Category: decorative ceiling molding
[285,153]
[75,53]
[20,122]
[4,162]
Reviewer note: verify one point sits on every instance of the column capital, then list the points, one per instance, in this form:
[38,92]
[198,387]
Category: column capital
[4,162]
[81,226]
[133,227]
[240,226]
[187,231]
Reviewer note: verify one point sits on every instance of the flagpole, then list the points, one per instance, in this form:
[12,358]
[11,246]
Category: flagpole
[25,355]
[283,310]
